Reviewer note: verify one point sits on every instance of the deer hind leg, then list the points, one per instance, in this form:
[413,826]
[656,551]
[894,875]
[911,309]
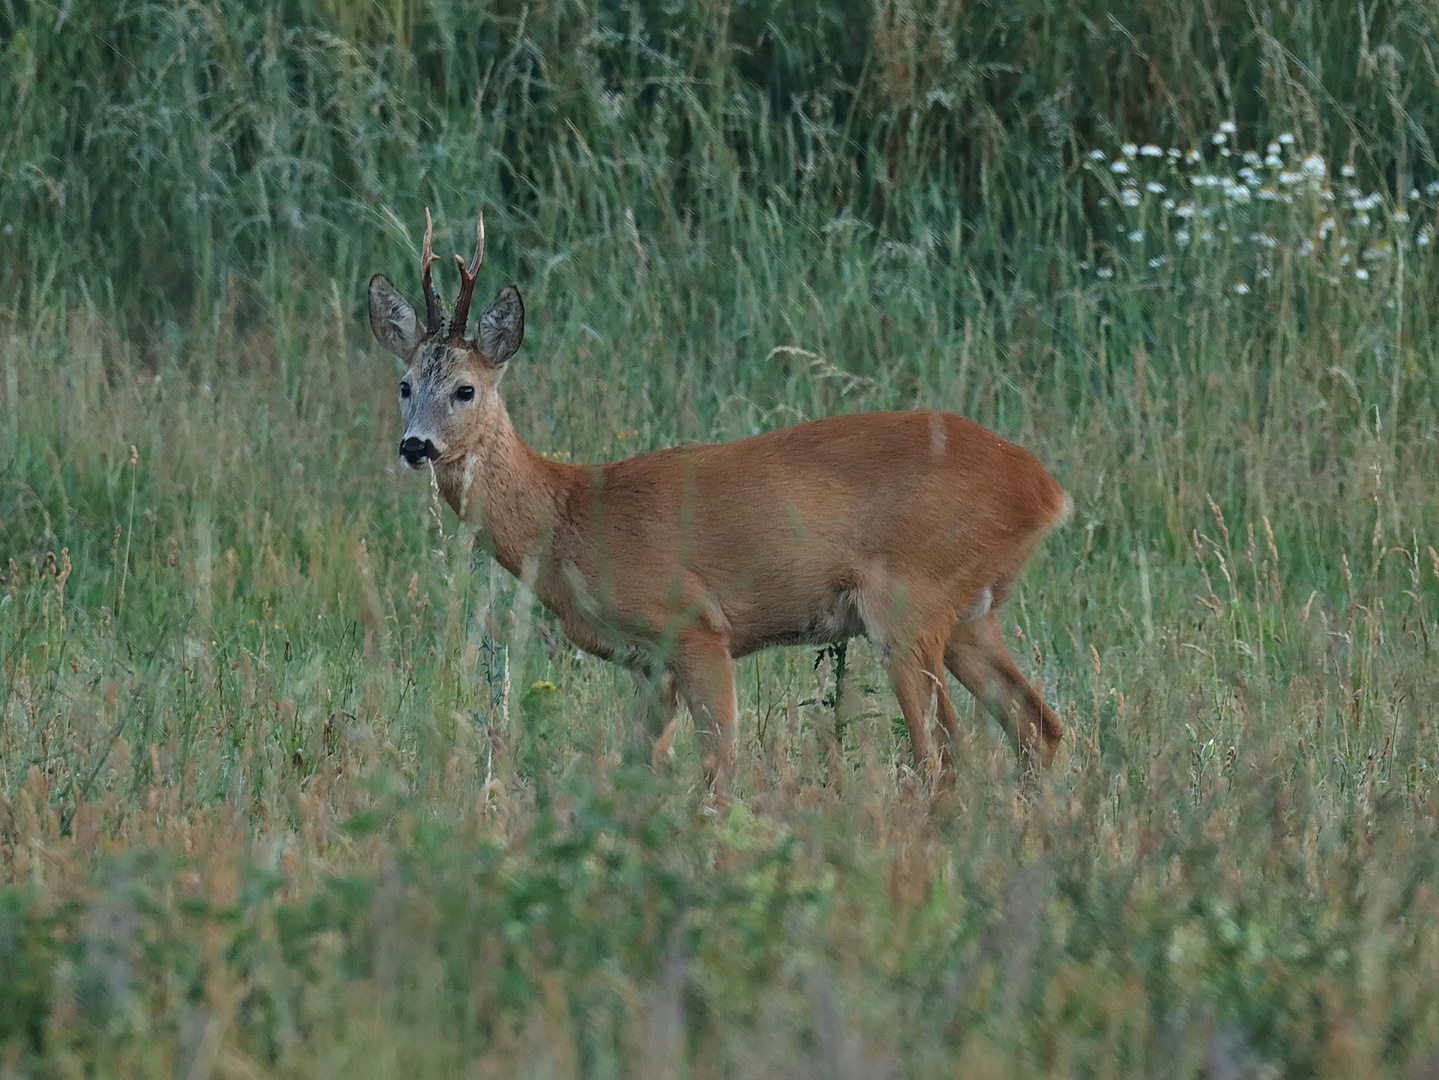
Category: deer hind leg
[704,676]
[917,674]
[911,641]
[975,653]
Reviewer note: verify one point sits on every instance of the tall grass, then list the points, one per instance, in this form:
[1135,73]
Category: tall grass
[294,782]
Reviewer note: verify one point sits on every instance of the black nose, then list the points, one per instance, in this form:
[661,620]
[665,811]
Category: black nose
[416,451]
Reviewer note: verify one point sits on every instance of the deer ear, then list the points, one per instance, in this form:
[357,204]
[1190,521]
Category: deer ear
[392,318]
[502,327]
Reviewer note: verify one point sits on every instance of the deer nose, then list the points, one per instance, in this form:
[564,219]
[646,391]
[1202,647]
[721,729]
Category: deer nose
[417,451]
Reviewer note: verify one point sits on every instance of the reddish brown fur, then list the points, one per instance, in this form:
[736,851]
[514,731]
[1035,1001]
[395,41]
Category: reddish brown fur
[891,524]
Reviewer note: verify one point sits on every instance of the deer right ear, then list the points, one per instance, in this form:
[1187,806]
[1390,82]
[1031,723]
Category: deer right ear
[502,327]
[392,318]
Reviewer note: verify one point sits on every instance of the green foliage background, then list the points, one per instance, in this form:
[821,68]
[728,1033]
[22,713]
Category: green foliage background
[168,159]
[293,782]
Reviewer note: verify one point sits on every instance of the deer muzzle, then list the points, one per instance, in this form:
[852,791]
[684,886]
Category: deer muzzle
[417,452]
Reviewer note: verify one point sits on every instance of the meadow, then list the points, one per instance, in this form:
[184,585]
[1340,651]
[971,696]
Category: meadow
[295,782]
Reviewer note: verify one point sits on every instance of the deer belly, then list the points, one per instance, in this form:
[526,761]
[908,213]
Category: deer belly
[835,618]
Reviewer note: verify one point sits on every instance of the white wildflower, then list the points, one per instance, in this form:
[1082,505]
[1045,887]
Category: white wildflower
[1241,288]
[1154,188]
[1150,150]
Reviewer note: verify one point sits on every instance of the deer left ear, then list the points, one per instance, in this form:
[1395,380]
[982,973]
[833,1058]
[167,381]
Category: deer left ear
[392,318]
[502,327]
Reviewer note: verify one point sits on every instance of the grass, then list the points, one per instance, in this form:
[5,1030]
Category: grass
[294,782]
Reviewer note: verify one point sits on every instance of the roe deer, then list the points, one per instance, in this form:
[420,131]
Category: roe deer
[907,527]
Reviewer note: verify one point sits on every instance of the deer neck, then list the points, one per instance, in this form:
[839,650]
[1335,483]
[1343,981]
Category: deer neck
[507,492]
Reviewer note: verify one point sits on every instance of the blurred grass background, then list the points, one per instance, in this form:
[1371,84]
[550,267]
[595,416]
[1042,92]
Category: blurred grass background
[292,782]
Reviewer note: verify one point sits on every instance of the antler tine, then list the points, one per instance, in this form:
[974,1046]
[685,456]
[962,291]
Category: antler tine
[467,280]
[434,317]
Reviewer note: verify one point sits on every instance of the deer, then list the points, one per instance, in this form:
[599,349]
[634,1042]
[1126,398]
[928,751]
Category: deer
[909,528]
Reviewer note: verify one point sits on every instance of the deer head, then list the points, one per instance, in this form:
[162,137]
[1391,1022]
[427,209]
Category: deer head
[451,386]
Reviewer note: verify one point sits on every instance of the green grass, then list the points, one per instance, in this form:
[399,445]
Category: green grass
[293,782]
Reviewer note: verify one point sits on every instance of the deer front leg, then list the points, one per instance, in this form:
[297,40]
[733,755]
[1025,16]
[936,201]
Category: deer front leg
[652,731]
[704,676]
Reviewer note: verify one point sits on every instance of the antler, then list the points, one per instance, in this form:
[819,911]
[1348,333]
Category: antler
[467,281]
[434,317]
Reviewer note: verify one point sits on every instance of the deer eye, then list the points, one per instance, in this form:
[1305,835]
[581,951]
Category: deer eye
[465,393]
[404,390]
